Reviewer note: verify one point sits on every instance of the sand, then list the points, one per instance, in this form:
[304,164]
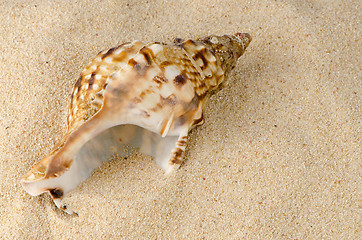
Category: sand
[277,158]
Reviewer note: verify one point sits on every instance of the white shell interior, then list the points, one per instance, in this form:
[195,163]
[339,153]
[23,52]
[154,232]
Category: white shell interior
[122,140]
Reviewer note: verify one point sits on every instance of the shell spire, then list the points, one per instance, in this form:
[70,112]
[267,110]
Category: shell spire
[135,96]
[227,48]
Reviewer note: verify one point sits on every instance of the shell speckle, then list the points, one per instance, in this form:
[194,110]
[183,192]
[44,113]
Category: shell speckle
[135,96]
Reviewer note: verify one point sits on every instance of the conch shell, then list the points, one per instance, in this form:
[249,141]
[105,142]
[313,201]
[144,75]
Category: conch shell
[135,96]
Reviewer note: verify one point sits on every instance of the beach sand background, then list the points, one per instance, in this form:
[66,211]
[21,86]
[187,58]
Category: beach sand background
[277,158]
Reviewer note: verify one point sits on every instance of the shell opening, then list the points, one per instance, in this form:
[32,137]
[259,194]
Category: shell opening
[120,140]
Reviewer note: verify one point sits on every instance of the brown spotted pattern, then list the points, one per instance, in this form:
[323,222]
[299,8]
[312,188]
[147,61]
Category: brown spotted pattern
[163,84]
[160,87]
[87,95]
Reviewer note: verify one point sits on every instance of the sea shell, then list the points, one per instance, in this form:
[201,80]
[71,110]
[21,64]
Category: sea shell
[135,96]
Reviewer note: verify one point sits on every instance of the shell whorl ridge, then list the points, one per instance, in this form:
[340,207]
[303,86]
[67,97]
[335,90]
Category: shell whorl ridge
[143,95]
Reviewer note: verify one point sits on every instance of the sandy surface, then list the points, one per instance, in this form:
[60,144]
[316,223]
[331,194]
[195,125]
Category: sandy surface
[276,159]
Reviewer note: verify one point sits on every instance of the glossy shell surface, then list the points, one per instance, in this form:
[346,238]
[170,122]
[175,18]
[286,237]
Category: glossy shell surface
[136,96]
